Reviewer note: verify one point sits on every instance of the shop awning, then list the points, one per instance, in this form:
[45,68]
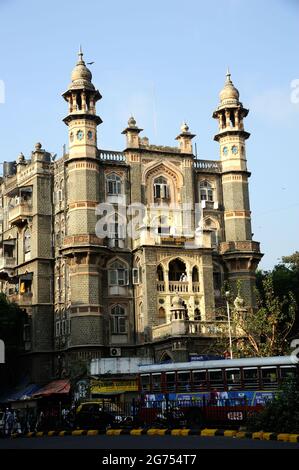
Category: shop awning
[20,394]
[60,387]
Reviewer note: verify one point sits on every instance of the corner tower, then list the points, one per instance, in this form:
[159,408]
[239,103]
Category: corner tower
[82,164]
[81,248]
[240,253]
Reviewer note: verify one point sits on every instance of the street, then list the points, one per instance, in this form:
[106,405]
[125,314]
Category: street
[141,442]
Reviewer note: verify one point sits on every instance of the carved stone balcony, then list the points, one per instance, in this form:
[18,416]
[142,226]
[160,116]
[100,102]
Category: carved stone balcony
[205,329]
[19,214]
[242,246]
[178,286]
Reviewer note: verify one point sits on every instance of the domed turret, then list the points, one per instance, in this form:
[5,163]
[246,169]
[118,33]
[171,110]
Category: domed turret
[81,75]
[229,92]
[132,122]
[21,159]
[184,127]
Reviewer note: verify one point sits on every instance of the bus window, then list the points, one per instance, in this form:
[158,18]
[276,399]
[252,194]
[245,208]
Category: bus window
[287,372]
[269,377]
[184,382]
[199,380]
[233,379]
[251,378]
[216,379]
[156,382]
[170,381]
[145,383]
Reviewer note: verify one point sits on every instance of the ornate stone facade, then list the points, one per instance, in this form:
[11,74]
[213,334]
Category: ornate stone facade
[93,290]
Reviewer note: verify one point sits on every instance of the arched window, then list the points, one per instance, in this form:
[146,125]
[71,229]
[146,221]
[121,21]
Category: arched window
[197,314]
[141,319]
[161,190]
[195,275]
[177,270]
[113,184]
[211,225]
[206,191]
[160,273]
[118,320]
[161,316]
[118,274]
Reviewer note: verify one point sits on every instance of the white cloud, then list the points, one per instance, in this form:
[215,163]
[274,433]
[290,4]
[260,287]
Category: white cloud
[276,105]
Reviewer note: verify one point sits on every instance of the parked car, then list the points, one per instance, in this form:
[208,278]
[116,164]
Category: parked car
[92,415]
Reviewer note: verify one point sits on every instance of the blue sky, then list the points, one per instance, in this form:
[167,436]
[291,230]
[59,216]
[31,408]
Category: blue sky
[164,61]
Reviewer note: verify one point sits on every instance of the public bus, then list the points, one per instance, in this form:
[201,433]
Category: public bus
[254,380]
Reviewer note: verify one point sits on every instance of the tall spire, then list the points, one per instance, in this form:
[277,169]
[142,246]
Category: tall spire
[228,76]
[80,55]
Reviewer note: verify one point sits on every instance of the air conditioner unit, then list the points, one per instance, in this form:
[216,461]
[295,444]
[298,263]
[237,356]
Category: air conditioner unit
[115,352]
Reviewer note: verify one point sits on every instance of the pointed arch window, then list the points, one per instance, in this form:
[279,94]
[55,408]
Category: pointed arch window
[113,184]
[161,316]
[206,191]
[161,188]
[118,274]
[197,314]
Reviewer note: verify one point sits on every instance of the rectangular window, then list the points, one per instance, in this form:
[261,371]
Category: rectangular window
[135,275]
[199,380]
[269,377]
[216,379]
[145,383]
[251,378]
[233,378]
[118,325]
[114,187]
[184,382]
[157,191]
[122,325]
[156,380]
[118,277]
[170,381]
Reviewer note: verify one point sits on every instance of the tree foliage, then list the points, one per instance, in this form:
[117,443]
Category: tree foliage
[280,415]
[12,320]
[265,331]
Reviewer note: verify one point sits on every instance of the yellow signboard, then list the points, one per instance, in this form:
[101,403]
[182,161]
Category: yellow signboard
[111,386]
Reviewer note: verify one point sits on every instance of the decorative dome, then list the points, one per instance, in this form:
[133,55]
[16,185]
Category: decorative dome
[184,127]
[21,158]
[132,122]
[229,92]
[81,75]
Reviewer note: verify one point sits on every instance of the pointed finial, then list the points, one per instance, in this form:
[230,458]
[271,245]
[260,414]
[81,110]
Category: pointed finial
[228,76]
[80,54]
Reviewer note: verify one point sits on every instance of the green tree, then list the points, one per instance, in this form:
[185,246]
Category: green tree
[12,320]
[265,331]
[280,415]
[292,260]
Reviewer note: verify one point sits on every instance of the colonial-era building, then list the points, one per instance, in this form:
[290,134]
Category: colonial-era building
[125,253]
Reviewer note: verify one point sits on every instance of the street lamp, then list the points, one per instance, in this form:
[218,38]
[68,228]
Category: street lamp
[227,294]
